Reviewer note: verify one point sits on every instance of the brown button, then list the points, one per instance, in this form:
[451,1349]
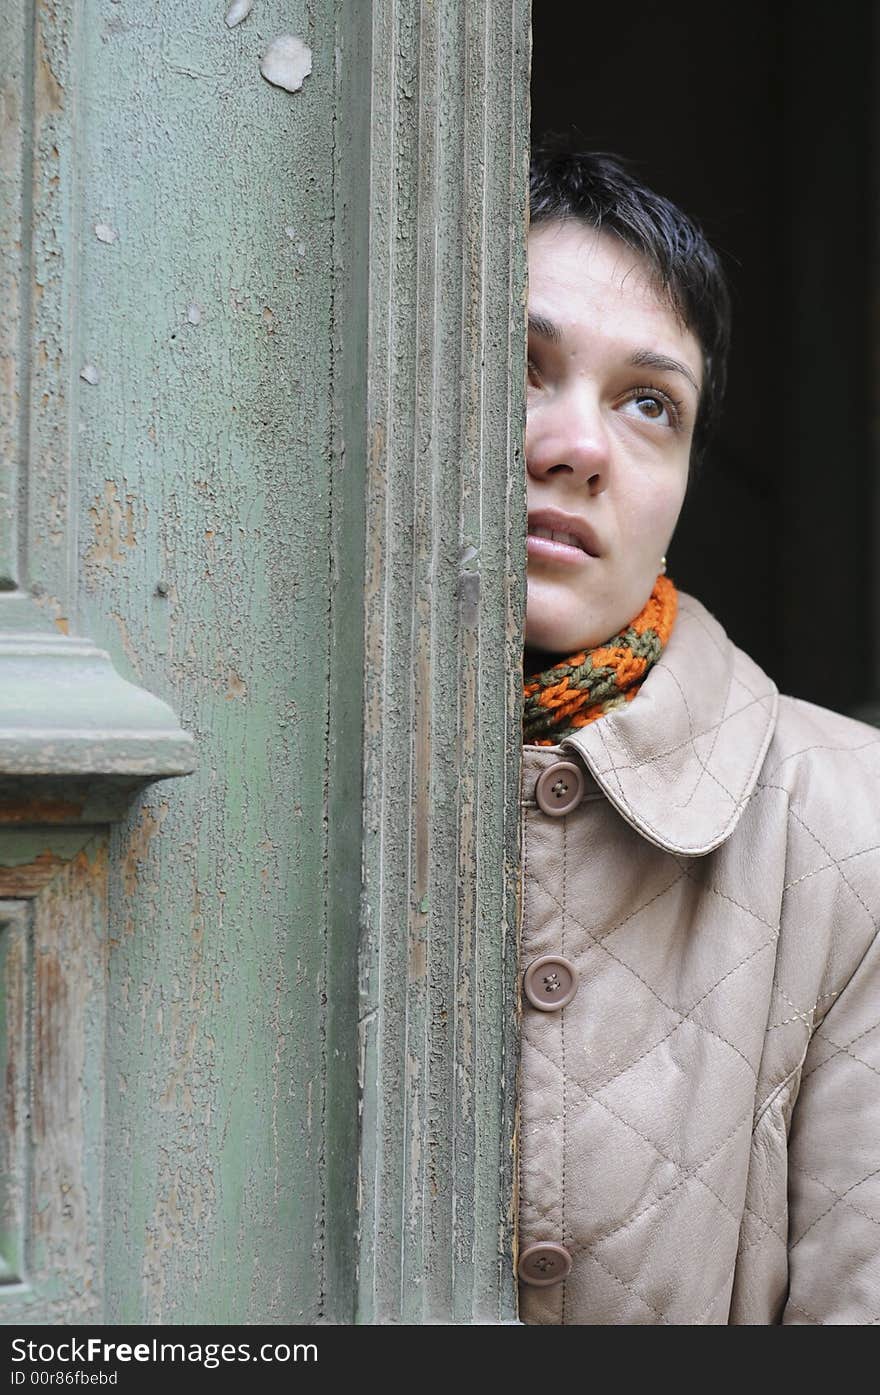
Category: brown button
[550,982]
[559,787]
[545,1263]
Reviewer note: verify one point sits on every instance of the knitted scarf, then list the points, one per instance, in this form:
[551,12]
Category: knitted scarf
[584,686]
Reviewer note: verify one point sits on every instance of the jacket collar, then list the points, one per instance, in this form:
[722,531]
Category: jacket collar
[680,762]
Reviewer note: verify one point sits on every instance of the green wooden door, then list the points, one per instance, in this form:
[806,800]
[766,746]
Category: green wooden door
[262,376]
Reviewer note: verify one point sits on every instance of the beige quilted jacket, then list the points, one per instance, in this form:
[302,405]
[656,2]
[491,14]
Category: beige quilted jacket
[699,1130]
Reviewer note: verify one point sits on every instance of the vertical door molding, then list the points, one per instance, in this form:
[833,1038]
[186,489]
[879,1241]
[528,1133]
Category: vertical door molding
[444,607]
[64,709]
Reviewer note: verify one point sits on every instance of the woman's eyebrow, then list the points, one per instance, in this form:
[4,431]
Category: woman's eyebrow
[645,358]
[546,329]
[642,358]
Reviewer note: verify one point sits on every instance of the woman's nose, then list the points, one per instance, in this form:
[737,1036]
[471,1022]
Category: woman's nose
[569,438]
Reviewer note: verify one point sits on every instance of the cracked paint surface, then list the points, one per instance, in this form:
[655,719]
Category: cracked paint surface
[199,453]
[113,528]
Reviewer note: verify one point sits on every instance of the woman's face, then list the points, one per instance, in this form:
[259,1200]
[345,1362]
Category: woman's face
[613,387]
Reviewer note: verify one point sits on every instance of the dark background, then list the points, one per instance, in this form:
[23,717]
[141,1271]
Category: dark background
[758,119]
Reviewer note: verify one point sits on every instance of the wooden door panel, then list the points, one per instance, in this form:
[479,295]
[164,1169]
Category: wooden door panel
[53,976]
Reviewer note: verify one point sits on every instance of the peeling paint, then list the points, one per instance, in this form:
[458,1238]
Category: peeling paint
[29,878]
[287,62]
[56,520]
[49,94]
[114,528]
[90,374]
[236,687]
[300,245]
[14,1031]
[238,11]
[418,960]
[157,153]
[128,647]
[57,1013]
[10,116]
[104,233]
[138,848]
[36,811]
[217,1062]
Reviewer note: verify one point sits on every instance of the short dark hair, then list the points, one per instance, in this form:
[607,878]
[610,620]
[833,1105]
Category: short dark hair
[598,189]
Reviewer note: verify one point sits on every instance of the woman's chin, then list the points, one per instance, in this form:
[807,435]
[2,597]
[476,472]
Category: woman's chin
[554,632]
[542,652]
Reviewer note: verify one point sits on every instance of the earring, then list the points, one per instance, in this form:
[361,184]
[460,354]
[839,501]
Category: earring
[662,566]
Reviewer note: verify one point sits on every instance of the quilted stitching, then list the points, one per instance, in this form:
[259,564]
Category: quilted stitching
[700,1125]
[661,803]
[682,1015]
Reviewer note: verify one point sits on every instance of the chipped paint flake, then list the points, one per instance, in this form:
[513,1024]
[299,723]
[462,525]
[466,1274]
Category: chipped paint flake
[236,687]
[194,313]
[287,62]
[104,233]
[137,857]
[300,245]
[238,11]
[48,91]
[113,523]
[90,374]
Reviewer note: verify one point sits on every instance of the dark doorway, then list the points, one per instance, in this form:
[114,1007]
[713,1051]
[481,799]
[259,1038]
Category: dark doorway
[759,120]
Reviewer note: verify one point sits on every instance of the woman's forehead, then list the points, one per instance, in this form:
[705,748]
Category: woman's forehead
[585,283]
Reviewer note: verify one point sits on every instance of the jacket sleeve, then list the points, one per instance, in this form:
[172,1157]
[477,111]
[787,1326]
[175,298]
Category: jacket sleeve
[834,1161]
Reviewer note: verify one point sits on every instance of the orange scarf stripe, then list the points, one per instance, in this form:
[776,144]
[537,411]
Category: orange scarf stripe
[583,687]
[659,613]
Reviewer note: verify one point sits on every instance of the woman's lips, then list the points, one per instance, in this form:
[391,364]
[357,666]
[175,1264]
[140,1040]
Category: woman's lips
[554,551]
[557,526]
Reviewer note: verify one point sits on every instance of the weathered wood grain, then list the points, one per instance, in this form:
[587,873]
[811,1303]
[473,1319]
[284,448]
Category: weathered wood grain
[15,976]
[53,903]
[444,597]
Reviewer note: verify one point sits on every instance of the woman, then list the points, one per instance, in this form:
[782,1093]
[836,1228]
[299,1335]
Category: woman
[700,1078]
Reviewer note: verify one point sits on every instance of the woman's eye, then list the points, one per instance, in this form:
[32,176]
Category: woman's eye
[653,406]
[533,375]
